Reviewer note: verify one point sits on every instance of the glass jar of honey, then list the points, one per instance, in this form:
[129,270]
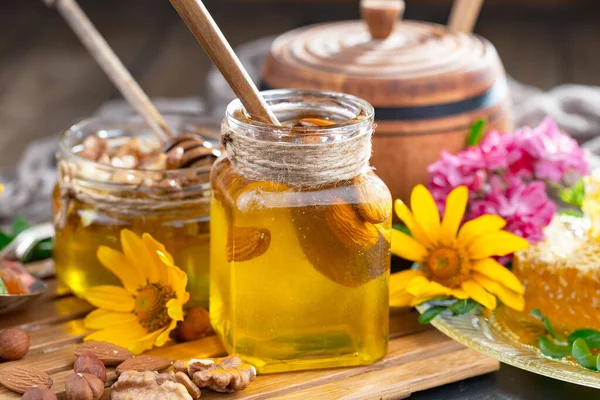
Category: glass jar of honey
[300,235]
[114,174]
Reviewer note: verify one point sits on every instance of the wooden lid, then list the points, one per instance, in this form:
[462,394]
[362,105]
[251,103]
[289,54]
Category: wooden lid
[418,64]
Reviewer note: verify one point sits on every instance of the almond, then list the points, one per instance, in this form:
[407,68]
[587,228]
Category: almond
[108,353]
[374,200]
[19,378]
[346,225]
[246,243]
[144,363]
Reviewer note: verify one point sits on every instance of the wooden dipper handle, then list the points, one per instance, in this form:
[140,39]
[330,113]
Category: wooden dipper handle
[381,16]
[207,33]
[112,66]
[464,15]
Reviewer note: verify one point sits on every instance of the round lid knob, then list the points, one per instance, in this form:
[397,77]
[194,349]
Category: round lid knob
[381,16]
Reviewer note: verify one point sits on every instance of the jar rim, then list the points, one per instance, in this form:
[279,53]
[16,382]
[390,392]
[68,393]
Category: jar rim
[236,113]
[66,148]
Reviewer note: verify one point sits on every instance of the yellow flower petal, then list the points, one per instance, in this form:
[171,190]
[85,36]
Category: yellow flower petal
[164,336]
[416,284]
[456,203]
[399,280]
[408,218]
[421,287]
[479,294]
[175,310]
[178,281]
[499,243]
[145,342]
[498,272]
[425,211]
[111,298]
[406,247]
[100,319]
[459,294]
[478,226]
[118,264]
[508,297]
[157,253]
[125,334]
[138,255]
[401,299]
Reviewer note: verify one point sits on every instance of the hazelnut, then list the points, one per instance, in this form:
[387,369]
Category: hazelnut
[80,386]
[88,363]
[14,344]
[195,324]
[39,393]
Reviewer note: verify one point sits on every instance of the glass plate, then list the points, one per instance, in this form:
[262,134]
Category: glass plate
[488,336]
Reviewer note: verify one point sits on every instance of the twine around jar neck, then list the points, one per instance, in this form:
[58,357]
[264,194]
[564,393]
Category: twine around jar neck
[295,163]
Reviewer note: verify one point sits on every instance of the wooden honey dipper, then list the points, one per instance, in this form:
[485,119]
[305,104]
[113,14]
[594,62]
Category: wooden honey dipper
[207,33]
[182,151]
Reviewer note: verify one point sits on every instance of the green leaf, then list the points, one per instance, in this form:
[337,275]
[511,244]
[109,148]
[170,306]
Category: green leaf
[476,133]
[551,349]
[598,362]
[19,225]
[40,251]
[538,314]
[571,213]
[4,240]
[573,195]
[461,307]
[3,289]
[402,228]
[431,313]
[590,336]
[581,352]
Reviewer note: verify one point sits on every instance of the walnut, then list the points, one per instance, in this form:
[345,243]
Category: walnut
[133,385]
[228,374]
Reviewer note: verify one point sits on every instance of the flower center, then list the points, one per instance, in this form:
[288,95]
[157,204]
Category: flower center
[151,306]
[447,266]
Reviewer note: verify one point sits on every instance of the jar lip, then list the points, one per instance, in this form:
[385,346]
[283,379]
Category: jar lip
[276,95]
[67,149]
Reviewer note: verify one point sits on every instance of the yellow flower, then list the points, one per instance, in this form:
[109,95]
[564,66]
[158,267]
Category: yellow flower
[146,309]
[455,261]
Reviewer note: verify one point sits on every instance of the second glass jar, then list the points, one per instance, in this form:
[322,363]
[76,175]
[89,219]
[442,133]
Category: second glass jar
[93,202]
[299,271]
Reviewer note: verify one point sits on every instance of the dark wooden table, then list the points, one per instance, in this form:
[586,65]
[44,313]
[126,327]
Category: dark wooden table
[48,81]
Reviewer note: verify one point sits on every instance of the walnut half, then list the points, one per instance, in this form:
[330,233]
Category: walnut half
[226,375]
[134,385]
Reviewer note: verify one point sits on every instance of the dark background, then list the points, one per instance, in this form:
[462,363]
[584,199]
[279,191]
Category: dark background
[48,80]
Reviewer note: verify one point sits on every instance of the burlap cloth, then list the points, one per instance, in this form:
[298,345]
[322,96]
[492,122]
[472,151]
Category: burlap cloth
[28,188]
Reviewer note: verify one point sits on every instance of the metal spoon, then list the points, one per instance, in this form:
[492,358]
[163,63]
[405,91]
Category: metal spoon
[9,259]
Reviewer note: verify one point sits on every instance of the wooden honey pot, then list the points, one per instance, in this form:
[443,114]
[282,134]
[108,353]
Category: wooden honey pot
[427,84]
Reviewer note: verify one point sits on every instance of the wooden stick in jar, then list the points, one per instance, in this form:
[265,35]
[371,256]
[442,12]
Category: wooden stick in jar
[464,15]
[112,66]
[207,33]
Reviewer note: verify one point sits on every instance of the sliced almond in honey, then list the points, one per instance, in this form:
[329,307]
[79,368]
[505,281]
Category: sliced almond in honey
[346,225]
[374,200]
[246,243]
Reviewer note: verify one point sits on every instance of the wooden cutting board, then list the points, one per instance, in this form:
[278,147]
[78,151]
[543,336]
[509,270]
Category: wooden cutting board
[419,357]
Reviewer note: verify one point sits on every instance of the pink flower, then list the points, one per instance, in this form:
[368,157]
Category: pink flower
[548,152]
[506,175]
[525,207]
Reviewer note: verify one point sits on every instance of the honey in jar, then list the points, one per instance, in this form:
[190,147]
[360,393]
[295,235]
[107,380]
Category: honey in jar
[300,236]
[114,174]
